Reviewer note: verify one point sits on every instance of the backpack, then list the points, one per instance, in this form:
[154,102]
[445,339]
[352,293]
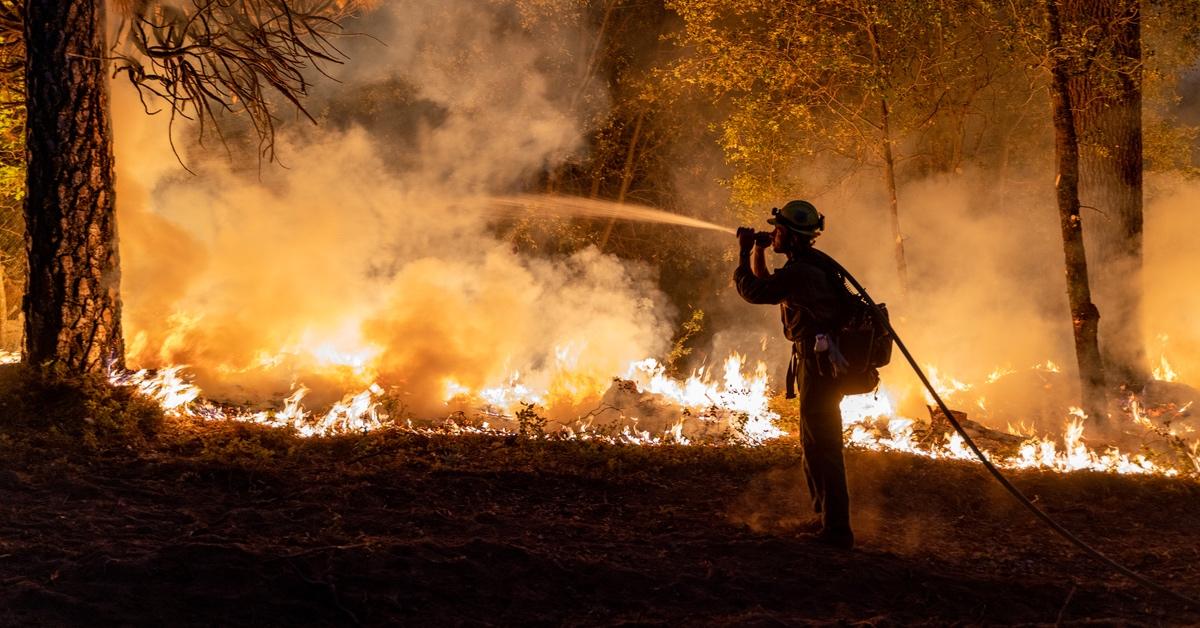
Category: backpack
[862,337]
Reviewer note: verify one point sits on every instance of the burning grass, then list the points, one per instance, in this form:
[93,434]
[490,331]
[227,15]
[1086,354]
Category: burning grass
[1152,433]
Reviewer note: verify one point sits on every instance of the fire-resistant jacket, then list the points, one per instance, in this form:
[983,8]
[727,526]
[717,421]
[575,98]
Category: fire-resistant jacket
[806,293]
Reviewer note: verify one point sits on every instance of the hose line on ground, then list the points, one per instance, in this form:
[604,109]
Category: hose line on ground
[991,468]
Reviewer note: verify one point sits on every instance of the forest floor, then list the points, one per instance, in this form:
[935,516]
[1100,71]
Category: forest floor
[227,524]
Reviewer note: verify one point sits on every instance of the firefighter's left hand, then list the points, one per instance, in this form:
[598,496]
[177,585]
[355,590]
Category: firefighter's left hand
[745,236]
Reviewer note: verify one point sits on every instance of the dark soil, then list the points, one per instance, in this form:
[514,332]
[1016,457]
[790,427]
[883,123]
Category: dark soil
[236,525]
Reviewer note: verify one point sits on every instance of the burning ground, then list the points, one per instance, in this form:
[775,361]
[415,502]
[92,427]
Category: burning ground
[237,524]
[345,515]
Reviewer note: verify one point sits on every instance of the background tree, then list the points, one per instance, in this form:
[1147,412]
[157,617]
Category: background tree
[197,59]
[843,80]
[1104,37]
[639,145]
[1085,317]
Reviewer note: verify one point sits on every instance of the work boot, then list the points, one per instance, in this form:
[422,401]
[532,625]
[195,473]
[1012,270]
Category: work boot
[841,539]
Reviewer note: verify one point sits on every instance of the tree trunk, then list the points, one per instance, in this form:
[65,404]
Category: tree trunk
[72,302]
[1107,102]
[889,179]
[889,161]
[626,174]
[1085,318]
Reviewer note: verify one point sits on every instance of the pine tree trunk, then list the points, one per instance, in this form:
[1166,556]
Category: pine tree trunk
[1107,102]
[72,302]
[1085,318]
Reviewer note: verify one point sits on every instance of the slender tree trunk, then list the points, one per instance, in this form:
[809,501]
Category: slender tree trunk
[626,173]
[889,161]
[72,302]
[1085,318]
[1107,102]
[889,179]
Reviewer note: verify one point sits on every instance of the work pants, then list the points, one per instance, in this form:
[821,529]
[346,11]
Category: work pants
[821,440]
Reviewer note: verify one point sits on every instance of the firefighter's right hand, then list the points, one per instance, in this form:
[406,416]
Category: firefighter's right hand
[745,237]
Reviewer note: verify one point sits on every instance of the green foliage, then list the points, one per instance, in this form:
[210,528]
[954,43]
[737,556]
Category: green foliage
[680,349]
[1169,146]
[808,79]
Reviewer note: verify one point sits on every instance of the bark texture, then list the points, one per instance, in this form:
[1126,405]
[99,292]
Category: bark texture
[72,303]
[1085,318]
[1106,99]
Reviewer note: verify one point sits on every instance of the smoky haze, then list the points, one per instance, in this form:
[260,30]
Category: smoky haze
[986,287]
[359,253]
[360,260]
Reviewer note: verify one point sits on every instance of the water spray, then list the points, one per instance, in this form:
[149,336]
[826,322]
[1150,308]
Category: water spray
[560,205]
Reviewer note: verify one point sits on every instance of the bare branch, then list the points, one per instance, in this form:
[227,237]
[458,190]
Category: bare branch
[202,57]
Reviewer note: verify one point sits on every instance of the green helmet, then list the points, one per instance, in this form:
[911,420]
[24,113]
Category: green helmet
[799,216]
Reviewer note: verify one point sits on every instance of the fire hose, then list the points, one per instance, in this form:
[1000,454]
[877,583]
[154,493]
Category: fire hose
[991,468]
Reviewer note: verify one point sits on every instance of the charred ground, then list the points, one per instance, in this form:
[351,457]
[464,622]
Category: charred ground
[240,525]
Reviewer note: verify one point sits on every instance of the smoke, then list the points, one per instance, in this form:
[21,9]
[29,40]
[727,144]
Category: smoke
[986,290]
[360,260]
[1171,256]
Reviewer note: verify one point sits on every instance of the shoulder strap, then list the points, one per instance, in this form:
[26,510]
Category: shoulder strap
[822,260]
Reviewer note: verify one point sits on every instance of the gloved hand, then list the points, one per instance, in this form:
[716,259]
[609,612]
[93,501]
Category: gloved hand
[745,237]
[762,239]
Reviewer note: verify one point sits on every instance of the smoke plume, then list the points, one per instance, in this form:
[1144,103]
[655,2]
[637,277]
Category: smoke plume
[359,260]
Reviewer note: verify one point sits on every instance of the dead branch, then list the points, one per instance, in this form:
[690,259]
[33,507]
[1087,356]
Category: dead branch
[203,58]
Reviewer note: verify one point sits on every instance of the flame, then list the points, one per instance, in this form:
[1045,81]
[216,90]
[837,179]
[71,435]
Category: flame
[1048,366]
[740,396]
[946,387]
[1163,372]
[998,372]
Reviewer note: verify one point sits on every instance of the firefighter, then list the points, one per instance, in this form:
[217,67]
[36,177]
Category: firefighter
[809,303]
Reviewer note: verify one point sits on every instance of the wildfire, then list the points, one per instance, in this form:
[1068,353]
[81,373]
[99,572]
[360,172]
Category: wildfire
[734,403]
[945,386]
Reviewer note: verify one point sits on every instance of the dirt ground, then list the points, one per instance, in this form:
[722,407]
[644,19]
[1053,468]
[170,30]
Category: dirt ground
[236,525]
